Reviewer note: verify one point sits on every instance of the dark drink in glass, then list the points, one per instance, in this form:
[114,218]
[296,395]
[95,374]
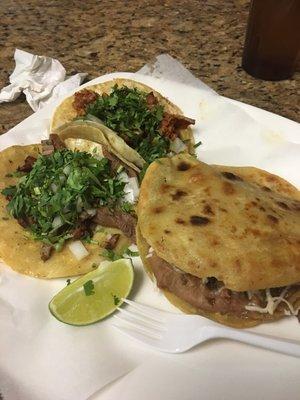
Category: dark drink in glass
[272,39]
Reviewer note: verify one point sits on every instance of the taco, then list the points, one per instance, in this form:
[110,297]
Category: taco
[222,242]
[64,207]
[132,115]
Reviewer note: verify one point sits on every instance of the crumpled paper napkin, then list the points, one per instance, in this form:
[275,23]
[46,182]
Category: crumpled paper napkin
[42,79]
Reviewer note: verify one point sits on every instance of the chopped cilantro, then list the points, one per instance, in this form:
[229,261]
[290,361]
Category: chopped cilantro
[62,186]
[89,240]
[143,171]
[117,300]
[197,144]
[131,253]
[68,282]
[89,287]
[127,207]
[126,112]
[16,174]
[111,255]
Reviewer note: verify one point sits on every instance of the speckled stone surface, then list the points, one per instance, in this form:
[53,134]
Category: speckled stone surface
[97,37]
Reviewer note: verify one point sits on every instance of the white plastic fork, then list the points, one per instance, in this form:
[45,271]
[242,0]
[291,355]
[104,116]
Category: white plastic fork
[176,333]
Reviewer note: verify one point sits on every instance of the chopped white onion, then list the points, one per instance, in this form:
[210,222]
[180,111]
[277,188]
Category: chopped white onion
[150,252]
[57,222]
[78,250]
[133,248]
[91,211]
[62,178]
[67,170]
[123,176]
[131,188]
[133,182]
[177,145]
[79,204]
[37,190]
[54,187]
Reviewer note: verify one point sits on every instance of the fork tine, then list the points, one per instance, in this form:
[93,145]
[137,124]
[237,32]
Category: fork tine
[140,319]
[140,337]
[154,334]
[151,312]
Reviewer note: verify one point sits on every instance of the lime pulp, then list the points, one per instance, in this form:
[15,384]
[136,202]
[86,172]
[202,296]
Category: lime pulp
[95,295]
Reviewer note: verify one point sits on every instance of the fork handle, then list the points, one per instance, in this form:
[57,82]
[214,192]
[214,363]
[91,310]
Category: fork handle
[286,346]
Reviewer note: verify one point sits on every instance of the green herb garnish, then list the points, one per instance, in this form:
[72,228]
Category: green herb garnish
[89,287]
[127,207]
[16,174]
[126,112]
[117,300]
[51,197]
[111,255]
[131,253]
[68,282]
[197,144]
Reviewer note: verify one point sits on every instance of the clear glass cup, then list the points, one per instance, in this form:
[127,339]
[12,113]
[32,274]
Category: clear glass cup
[272,41]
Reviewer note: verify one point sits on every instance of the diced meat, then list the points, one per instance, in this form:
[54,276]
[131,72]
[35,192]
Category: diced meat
[82,99]
[117,219]
[112,241]
[46,251]
[23,222]
[57,142]
[115,162]
[26,221]
[151,100]
[81,230]
[28,164]
[171,125]
[47,147]
[53,143]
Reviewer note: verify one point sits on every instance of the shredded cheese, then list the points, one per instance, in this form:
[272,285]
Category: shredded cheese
[273,303]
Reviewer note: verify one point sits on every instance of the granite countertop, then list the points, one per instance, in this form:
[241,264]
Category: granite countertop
[98,37]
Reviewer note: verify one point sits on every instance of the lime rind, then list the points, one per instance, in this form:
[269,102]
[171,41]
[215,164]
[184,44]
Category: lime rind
[112,282]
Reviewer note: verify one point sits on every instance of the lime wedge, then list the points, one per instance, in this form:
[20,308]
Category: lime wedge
[95,295]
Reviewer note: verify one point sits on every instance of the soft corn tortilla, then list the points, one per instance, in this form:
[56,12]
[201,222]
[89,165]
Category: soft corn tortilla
[95,132]
[244,231]
[225,319]
[19,251]
[66,113]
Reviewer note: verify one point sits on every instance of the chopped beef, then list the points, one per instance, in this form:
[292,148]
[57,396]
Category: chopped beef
[151,100]
[23,222]
[28,164]
[211,296]
[53,143]
[117,219]
[82,99]
[112,241]
[46,251]
[57,142]
[171,124]
[47,147]
[115,162]
[81,230]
